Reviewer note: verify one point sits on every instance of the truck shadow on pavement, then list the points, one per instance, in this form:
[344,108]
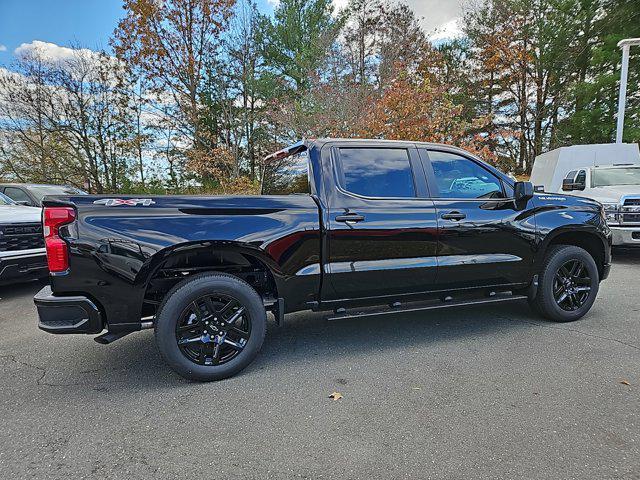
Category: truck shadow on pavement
[307,341]
[12,291]
[626,256]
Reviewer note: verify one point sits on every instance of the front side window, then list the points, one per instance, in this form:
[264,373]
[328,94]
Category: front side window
[286,176]
[376,172]
[460,177]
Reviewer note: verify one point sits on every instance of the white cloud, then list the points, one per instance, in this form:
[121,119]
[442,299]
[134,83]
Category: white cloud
[48,52]
[79,62]
[339,4]
[3,48]
[56,54]
[273,3]
[448,31]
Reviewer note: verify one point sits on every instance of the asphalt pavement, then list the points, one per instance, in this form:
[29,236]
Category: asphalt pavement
[490,392]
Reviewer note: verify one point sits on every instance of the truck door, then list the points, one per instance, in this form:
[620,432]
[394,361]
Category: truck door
[483,237]
[382,225]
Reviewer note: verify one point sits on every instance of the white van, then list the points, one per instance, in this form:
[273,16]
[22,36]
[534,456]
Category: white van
[608,173]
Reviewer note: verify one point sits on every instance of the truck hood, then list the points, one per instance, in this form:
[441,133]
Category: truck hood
[564,200]
[19,214]
[614,193]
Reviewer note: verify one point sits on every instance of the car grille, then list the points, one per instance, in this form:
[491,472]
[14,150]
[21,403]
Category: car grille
[23,236]
[631,211]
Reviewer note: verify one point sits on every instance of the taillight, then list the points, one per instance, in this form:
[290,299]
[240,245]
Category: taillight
[57,250]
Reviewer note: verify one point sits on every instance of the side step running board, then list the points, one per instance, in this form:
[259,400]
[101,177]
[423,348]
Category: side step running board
[422,306]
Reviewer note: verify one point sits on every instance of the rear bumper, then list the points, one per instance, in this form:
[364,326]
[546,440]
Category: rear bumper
[625,236]
[73,314]
[20,265]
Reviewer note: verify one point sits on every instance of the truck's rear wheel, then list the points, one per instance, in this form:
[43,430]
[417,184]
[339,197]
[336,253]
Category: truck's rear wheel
[210,326]
[568,284]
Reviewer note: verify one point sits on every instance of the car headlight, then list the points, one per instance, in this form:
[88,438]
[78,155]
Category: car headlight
[611,212]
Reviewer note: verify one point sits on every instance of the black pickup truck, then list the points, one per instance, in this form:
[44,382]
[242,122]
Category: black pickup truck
[353,227]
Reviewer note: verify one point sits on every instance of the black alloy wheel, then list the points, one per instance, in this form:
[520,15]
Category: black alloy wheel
[568,284]
[213,329]
[210,326]
[571,285]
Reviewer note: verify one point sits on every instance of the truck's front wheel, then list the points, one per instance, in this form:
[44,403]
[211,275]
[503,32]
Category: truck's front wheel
[210,326]
[568,285]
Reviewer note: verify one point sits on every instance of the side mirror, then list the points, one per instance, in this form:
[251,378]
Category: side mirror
[523,191]
[579,184]
[568,185]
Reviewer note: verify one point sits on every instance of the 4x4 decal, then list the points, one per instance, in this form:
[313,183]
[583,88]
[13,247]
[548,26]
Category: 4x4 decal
[116,202]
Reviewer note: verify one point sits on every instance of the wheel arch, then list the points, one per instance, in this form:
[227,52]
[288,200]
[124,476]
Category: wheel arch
[173,264]
[586,239]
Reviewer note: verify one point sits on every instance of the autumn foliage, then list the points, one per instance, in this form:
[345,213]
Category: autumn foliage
[418,107]
[195,93]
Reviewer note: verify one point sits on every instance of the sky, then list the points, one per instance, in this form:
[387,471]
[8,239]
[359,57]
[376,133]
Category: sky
[89,23]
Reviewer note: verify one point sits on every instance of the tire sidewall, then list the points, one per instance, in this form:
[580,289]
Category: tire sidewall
[548,303]
[190,290]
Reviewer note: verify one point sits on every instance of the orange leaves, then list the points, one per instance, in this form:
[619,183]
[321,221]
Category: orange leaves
[418,106]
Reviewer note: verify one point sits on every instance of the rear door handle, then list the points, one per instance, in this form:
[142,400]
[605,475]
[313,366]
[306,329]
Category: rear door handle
[455,216]
[350,217]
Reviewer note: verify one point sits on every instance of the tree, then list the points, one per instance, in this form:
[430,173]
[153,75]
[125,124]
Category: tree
[522,51]
[172,43]
[67,120]
[294,42]
[593,99]
[417,106]
[403,43]
[362,36]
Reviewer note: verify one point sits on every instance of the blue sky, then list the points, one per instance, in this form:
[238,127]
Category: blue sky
[63,22]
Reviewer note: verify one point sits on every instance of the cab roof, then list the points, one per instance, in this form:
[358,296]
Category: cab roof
[306,144]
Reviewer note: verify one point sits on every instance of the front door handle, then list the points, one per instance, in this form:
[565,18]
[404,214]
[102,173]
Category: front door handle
[350,217]
[455,216]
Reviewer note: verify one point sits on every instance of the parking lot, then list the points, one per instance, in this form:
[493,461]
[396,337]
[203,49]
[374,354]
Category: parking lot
[491,392]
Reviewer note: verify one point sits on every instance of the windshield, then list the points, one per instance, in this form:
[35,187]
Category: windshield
[615,176]
[41,190]
[4,200]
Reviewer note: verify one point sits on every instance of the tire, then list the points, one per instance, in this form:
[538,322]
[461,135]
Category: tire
[190,304]
[549,300]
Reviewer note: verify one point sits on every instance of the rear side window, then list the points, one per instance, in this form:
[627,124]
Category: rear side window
[287,176]
[460,177]
[376,172]
[17,194]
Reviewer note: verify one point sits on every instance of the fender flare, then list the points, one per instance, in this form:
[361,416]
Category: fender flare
[155,262]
